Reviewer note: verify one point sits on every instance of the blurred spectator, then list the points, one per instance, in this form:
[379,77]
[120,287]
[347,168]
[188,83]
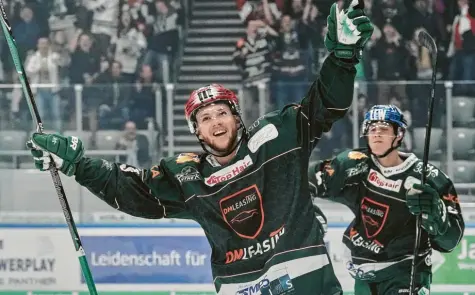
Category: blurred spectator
[62,17]
[60,46]
[114,99]
[462,48]
[142,100]
[162,39]
[85,65]
[129,45]
[105,21]
[136,145]
[42,67]
[392,58]
[253,56]
[289,74]
[264,10]
[27,32]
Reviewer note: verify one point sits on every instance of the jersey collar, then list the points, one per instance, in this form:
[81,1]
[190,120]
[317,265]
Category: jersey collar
[410,160]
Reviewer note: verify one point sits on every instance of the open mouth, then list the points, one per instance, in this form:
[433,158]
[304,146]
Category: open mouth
[219,132]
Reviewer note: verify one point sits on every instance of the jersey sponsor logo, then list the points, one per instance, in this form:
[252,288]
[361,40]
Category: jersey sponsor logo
[187,157]
[279,286]
[359,241]
[257,249]
[378,180]
[374,216]
[358,169]
[229,172]
[267,133]
[188,173]
[354,155]
[243,212]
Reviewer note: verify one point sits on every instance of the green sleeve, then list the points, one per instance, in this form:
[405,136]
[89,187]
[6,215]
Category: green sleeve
[129,189]
[456,226]
[328,100]
[338,179]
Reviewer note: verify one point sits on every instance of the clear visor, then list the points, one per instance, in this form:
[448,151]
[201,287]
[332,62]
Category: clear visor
[380,128]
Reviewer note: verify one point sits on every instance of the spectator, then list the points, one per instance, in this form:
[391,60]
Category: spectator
[462,48]
[253,55]
[136,146]
[85,65]
[26,32]
[392,58]
[129,45]
[290,74]
[162,39]
[142,100]
[113,105]
[263,10]
[105,21]
[43,68]
[60,46]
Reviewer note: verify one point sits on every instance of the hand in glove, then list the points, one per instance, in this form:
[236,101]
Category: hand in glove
[348,30]
[66,152]
[423,199]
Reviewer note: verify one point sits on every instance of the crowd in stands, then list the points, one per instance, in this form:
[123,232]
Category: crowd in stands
[120,50]
[117,49]
[284,37]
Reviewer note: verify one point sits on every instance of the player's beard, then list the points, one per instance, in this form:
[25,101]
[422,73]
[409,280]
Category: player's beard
[229,146]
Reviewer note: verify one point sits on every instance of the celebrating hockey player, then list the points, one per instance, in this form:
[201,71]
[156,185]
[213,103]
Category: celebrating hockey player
[382,187]
[249,189]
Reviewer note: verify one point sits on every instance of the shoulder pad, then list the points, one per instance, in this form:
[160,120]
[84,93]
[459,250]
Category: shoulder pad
[354,154]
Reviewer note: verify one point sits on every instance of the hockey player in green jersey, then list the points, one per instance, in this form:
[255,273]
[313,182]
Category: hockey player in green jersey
[382,187]
[249,188]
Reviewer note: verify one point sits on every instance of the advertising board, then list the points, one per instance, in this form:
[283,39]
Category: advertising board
[147,260]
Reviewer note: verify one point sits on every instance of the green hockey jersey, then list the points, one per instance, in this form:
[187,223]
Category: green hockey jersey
[381,237]
[256,211]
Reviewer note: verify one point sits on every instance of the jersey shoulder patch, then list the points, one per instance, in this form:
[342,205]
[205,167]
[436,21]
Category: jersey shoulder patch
[354,155]
[184,167]
[434,175]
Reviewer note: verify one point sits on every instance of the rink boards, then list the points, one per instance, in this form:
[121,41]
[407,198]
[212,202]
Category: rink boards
[161,260]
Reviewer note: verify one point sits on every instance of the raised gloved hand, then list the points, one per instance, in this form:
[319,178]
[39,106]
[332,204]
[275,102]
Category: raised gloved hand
[348,30]
[423,199]
[66,152]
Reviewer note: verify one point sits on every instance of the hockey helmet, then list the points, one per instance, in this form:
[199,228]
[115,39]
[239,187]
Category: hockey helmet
[207,95]
[384,113]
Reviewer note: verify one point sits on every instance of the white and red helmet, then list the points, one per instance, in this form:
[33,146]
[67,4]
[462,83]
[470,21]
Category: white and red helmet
[207,95]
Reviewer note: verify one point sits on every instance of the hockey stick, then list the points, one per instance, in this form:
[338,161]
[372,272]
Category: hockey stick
[54,172]
[428,42]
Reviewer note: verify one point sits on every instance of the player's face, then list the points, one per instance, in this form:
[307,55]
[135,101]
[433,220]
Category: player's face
[217,126]
[380,137]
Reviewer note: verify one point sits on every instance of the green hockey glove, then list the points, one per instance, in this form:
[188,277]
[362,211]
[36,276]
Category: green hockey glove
[348,30]
[423,199]
[65,152]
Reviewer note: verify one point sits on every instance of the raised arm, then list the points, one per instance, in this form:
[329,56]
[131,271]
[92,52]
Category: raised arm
[146,193]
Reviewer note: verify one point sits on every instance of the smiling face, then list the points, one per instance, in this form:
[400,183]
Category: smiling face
[380,137]
[217,126]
